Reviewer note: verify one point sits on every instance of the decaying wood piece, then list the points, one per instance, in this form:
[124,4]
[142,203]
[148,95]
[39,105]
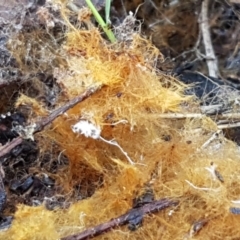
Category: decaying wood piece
[129,217]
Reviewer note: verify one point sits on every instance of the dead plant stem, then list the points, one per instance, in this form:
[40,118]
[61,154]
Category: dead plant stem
[211,59]
[124,219]
[56,113]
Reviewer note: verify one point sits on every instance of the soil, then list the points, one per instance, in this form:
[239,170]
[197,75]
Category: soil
[29,47]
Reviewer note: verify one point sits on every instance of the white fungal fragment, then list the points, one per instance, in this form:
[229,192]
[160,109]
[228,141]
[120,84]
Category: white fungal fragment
[26,132]
[87,128]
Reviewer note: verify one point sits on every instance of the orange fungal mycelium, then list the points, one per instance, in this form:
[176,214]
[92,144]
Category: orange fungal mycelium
[173,157]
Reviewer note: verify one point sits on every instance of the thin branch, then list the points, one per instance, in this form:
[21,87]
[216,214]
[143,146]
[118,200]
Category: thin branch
[209,51]
[194,49]
[229,125]
[4,150]
[213,137]
[213,109]
[180,115]
[39,126]
[227,116]
[56,113]
[131,215]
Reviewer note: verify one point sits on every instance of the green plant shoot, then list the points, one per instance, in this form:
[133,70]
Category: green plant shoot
[101,22]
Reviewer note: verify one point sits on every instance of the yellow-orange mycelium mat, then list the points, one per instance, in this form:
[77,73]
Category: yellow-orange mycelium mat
[172,157]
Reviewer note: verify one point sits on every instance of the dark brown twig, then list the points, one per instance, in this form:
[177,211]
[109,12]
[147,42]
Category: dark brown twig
[47,120]
[128,217]
[39,126]
[9,146]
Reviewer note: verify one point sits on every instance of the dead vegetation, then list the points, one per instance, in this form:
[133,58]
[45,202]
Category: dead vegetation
[102,135]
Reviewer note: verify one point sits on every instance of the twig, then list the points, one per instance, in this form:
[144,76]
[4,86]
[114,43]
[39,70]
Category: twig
[229,125]
[9,146]
[180,115]
[214,136]
[229,116]
[213,109]
[134,213]
[194,49]
[199,115]
[210,55]
[226,116]
[47,120]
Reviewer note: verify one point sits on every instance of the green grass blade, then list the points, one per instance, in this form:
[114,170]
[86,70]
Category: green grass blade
[101,22]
